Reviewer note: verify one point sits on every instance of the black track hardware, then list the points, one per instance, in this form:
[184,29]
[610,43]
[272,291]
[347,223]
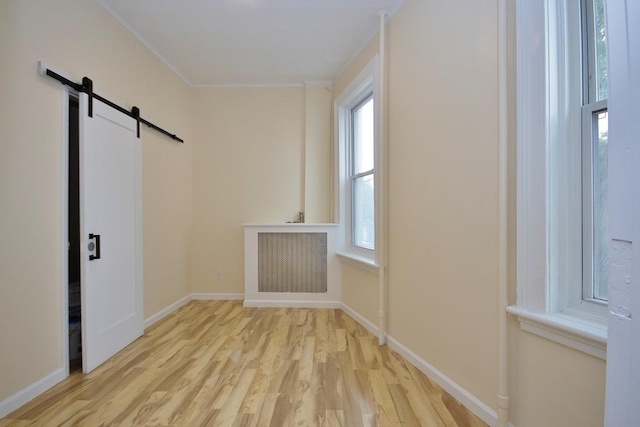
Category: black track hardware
[87,87]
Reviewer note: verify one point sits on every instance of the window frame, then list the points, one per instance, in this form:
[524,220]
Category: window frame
[588,233]
[363,87]
[353,175]
[550,300]
[591,105]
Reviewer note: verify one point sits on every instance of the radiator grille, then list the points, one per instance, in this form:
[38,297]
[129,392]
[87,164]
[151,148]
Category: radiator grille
[292,262]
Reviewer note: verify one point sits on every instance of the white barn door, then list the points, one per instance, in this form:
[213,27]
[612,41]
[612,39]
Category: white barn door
[111,232]
[622,407]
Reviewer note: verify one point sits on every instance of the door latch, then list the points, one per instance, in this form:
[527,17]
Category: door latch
[94,246]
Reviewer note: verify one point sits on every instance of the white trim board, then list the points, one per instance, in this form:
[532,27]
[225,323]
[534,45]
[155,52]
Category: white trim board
[64,241]
[28,393]
[247,85]
[155,318]
[216,296]
[292,304]
[574,332]
[363,321]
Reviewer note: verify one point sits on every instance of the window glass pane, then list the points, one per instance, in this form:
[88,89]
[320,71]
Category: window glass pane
[600,205]
[363,212]
[363,137]
[601,76]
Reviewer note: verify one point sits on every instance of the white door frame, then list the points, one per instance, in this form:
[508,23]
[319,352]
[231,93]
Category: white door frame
[64,212]
[623,350]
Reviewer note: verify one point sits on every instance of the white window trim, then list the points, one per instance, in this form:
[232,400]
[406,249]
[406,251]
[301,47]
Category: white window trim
[367,81]
[591,105]
[358,261]
[588,237]
[546,303]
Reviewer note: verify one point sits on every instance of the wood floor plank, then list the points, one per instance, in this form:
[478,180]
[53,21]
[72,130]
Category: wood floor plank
[406,414]
[232,404]
[334,419]
[266,410]
[306,410]
[216,363]
[385,407]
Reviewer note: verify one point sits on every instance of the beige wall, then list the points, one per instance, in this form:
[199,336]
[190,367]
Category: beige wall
[360,291]
[356,65]
[80,38]
[317,153]
[247,168]
[443,218]
[553,385]
[261,155]
[443,188]
[359,287]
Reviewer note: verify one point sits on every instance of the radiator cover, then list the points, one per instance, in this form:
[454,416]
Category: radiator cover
[291,265]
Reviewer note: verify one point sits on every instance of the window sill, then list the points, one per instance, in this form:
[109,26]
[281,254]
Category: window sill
[575,332]
[358,261]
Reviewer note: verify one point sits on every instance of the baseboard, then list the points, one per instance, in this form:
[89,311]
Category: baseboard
[216,296]
[472,403]
[15,401]
[369,325]
[165,311]
[294,304]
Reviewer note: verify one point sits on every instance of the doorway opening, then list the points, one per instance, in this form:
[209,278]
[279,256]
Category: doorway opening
[75,318]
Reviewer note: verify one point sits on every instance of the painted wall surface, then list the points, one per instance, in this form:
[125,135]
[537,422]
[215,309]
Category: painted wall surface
[82,39]
[553,385]
[247,168]
[443,178]
[443,211]
[359,286]
[360,291]
[317,153]
[356,65]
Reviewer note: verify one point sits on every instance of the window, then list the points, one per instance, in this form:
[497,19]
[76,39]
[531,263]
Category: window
[361,174]
[357,144]
[595,138]
[562,190]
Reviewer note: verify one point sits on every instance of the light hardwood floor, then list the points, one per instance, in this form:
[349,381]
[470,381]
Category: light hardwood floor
[217,363]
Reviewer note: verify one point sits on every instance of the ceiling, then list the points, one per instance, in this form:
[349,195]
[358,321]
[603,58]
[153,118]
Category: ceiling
[253,42]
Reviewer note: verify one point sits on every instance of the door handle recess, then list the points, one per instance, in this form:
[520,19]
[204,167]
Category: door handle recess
[97,249]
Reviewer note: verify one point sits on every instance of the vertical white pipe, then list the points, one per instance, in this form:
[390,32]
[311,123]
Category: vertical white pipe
[503,367]
[381,172]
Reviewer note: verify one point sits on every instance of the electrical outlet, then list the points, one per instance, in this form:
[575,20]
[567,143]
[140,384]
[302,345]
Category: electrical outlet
[218,275]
